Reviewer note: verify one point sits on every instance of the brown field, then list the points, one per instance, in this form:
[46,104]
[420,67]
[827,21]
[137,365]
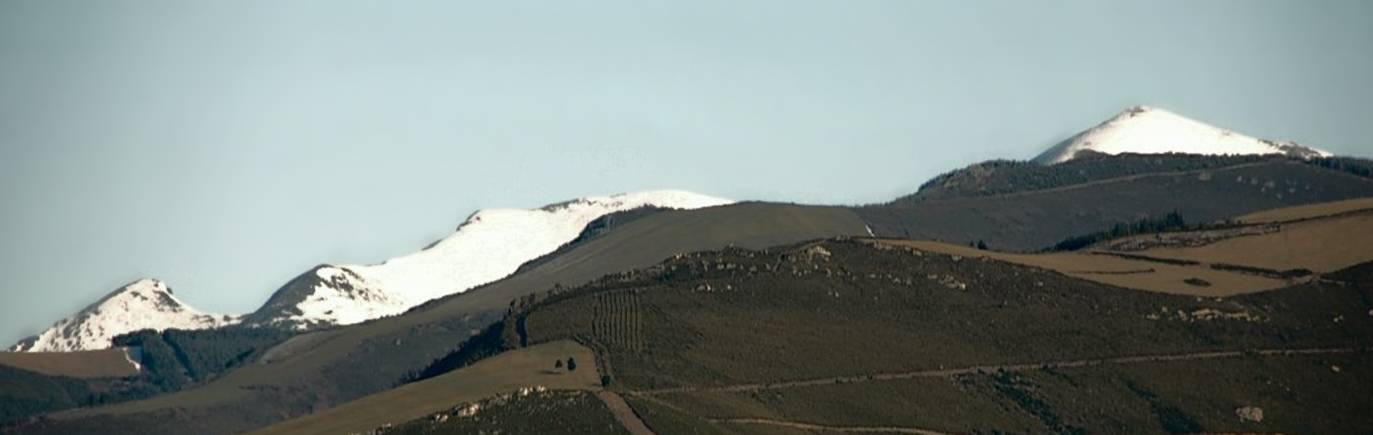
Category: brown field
[507,372]
[1117,271]
[1320,245]
[1321,238]
[107,363]
[1307,211]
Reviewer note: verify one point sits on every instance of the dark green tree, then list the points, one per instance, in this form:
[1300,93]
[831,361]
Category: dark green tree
[571,364]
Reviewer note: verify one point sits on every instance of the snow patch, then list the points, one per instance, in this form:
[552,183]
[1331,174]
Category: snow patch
[129,357]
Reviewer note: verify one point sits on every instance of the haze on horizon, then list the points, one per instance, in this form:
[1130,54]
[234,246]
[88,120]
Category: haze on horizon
[225,148]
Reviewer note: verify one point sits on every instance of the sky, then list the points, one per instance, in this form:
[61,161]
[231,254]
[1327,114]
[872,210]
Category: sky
[225,147]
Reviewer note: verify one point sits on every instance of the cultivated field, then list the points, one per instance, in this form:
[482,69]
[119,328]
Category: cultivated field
[107,363]
[1320,245]
[618,320]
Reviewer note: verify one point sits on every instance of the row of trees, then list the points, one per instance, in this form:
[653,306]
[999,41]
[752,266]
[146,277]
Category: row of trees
[1173,221]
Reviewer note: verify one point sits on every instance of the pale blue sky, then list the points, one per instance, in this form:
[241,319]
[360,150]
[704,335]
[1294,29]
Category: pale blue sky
[227,146]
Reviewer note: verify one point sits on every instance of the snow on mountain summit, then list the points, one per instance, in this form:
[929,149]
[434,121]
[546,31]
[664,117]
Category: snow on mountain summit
[143,304]
[1149,130]
[490,245]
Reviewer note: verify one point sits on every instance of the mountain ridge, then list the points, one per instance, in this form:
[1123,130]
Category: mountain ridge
[493,243]
[328,294]
[489,245]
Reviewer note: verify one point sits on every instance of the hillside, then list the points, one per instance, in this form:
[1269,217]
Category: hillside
[318,370]
[843,334]
[849,335]
[321,369]
[1261,252]
[1028,207]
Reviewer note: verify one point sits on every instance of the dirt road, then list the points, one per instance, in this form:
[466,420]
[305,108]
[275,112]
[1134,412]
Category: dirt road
[623,413]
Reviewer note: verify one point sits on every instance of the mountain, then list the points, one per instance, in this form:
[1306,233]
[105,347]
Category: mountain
[490,245]
[330,366]
[1150,130]
[143,304]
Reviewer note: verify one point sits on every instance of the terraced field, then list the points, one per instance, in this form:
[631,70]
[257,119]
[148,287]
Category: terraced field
[619,320]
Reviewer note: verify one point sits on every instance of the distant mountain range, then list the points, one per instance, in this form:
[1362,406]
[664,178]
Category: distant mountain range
[493,244]
[488,246]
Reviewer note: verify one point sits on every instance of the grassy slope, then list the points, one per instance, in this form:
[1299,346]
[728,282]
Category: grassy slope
[509,371]
[335,366]
[1037,219]
[855,313]
[106,363]
[739,317]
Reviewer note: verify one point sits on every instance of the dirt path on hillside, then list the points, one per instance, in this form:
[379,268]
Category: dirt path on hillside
[623,413]
[1008,368]
[816,427]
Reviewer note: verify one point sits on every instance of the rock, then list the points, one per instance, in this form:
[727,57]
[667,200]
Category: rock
[1250,413]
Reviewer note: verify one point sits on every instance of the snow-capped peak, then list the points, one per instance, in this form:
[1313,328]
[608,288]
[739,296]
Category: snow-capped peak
[490,245]
[143,304]
[1150,130]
